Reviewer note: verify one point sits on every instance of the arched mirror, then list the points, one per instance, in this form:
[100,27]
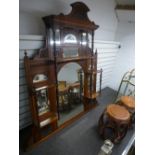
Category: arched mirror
[70,90]
[70,38]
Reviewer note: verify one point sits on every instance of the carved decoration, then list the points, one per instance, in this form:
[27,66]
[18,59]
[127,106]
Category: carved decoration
[52,57]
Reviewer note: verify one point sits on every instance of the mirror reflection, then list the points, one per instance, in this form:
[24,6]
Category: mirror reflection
[70,52]
[89,40]
[39,78]
[70,91]
[42,100]
[84,38]
[70,38]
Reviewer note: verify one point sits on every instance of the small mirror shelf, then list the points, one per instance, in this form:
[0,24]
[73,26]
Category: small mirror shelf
[39,78]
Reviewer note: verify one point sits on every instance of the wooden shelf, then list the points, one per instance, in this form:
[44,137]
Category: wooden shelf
[40,86]
[63,60]
[47,118]
[93,71]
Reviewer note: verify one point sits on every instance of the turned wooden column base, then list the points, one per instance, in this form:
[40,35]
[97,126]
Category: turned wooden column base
[113,123]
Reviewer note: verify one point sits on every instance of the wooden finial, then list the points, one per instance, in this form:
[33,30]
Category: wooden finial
[25,53]
[96,51]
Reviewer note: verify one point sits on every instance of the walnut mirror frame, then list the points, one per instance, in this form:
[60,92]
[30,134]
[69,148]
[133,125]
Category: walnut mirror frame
[69,39]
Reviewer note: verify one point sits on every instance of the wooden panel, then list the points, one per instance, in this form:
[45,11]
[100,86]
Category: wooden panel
[125,7]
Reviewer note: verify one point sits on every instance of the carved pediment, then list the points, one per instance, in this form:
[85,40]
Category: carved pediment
[77,17]
[79,11]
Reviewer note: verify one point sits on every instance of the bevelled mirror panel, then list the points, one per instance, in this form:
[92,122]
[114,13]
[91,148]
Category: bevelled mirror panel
[42,100]
[69,52]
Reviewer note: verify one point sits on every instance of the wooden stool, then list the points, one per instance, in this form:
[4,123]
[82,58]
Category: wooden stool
[114,122]
[129,103]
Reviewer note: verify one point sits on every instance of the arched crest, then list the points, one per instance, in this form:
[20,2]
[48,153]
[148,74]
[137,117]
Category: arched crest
[79,11]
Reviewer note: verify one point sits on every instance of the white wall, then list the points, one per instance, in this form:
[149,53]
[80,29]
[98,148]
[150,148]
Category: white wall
[101,12]
[107,54]
[125,60]
[30,24]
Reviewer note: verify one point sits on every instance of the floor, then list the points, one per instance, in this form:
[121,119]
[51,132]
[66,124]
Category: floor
[81,137]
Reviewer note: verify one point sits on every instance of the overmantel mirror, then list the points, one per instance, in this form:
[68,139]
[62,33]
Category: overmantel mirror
[62,75]
[70,91]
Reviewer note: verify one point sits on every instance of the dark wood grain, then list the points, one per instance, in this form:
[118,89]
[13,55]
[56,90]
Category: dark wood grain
[50,59]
